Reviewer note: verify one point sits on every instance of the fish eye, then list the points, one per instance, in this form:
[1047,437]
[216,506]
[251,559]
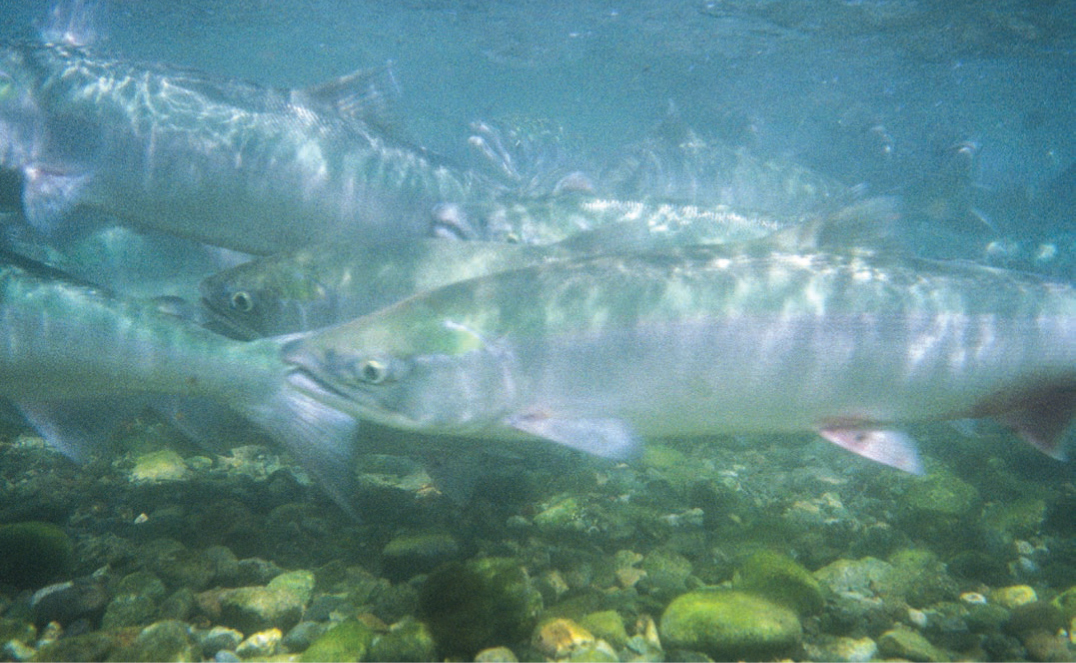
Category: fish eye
[242,301]
[373,372]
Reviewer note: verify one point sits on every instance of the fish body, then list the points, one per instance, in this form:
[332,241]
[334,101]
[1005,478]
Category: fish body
[597,352]
[63,341]
[322,285]
[227,163]
[623,223]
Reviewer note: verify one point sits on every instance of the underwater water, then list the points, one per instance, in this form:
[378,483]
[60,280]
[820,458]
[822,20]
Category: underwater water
[168,541]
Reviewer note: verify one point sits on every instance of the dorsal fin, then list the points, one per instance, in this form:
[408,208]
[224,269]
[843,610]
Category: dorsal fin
[368,95]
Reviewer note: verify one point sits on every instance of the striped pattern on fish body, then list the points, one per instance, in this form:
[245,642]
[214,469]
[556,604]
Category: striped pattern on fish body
[237,165]
[592,352]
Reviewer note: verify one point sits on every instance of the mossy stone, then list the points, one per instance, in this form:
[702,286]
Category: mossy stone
[142,583]
[903,642]
[607,625]
[666,572]
[780,578]
[407,640]
[253,609]
[163,465]
[1024,517]
[479,603]
[413,553]
[94,646]
[1066,603]
[348,641]
[562,516]
[729,624]
[129,610]
[937,507]
[163,641]
[33,553]
[297,584]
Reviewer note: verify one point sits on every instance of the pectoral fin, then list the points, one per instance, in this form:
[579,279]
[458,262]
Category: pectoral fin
[888,447]
[609,438]
[48,196]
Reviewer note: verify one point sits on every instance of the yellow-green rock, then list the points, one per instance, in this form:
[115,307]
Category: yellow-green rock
[607,625]
[163,465]
[903,642]
[729,624]
[1014,596]
[346,642]
[780,578]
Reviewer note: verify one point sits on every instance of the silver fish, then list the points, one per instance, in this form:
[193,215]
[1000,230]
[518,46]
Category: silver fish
[64,341]
[226,163]
[326,284]
[595,353]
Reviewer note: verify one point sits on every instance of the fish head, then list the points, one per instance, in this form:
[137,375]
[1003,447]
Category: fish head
[271,295]
[426,373]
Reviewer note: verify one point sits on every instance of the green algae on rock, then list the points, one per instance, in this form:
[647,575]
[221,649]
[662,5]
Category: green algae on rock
[33,553]
[479,603]
[406,640]
[783,580]
[347,641]
[903,642]
[729,624]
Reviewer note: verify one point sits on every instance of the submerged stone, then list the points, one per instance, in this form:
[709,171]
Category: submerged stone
[729,624]
[407,640]
[666,572]
[559,638]
[252,609]
[479,603]
[129,610]
[162,641]
[781,579]
[347,641]
[163,465]
[410,554]
[903,642]
[33,553]
[607,625]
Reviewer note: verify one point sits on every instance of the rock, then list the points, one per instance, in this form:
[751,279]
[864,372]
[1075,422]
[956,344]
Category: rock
[407,640]
[729,624]
[410,554]
[986,617]
[141,583]
[781,579]
[607,625]
[903,642]
[496,655]
[224,564]
[96,646]
[936,507]
[34,553]
[666,572]
[162,641]
[598,651]
[182,567]
[253,609]
[1047,646]
[347,641]
[562,516]
[860,577]
[842,649]
[1014,596]
[67,602]
[297,584]
[163,465]
[260,645]
[303,634]
[479,603]
[1035,616]
[558,638]
[218,638]
[178,605]
[129,610]
[919,578]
